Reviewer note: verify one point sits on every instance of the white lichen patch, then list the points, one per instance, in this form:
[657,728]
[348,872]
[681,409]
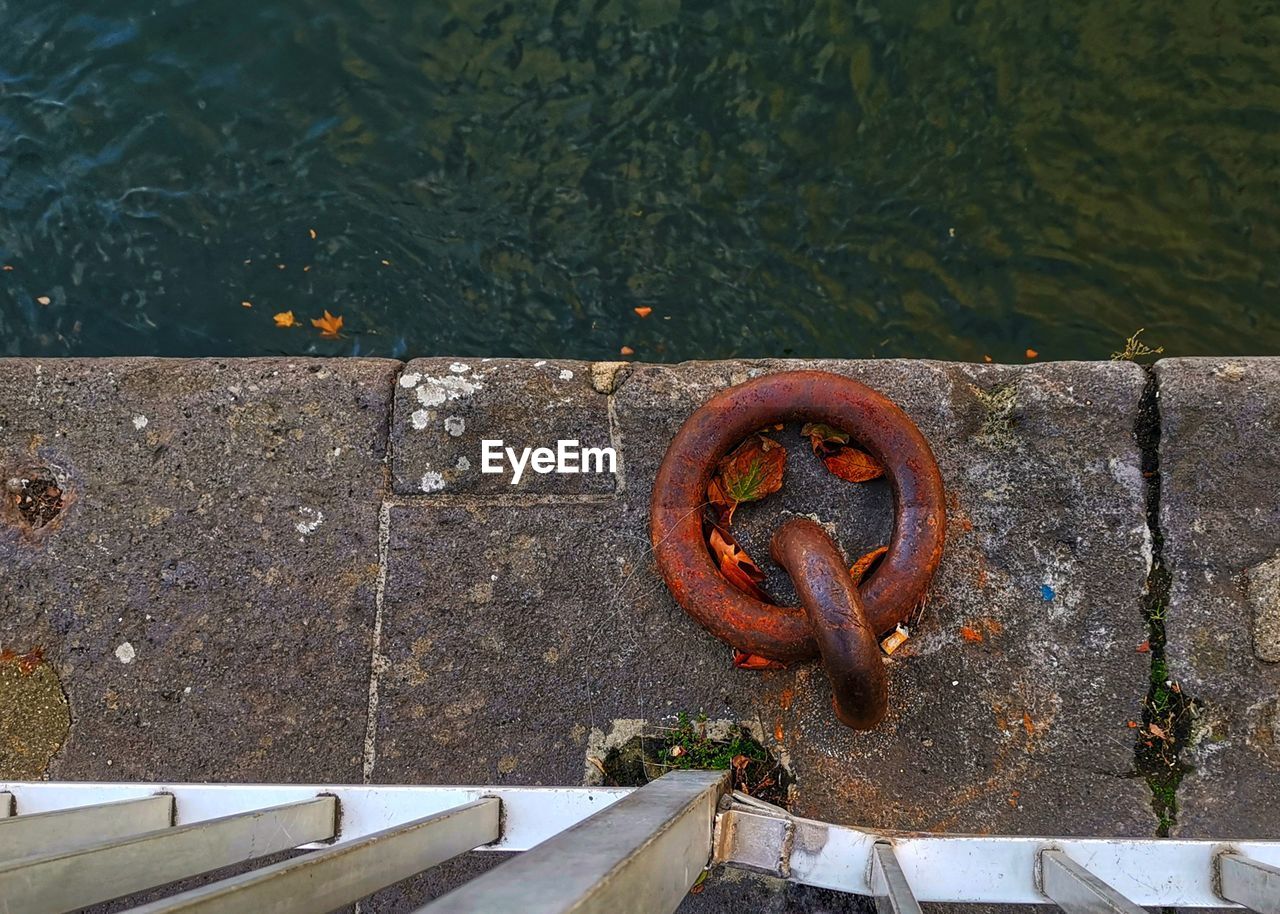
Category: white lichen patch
[410,380]
[459,367]
[566,374]
[455,425]
[125,653]
[139,422]
[420,419]
[312,518]
[462,465]
[435,391]
[431,481]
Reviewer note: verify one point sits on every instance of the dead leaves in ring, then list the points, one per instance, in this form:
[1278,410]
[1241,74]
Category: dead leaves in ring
[754,470]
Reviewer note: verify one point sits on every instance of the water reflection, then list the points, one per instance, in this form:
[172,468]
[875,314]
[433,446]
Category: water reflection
[942,179]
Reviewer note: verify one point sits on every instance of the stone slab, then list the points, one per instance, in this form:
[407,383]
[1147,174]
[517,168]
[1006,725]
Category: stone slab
[444,408]
[207,595]
[1220,518]
[512,632]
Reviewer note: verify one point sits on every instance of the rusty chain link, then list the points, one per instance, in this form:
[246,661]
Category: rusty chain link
[839,621]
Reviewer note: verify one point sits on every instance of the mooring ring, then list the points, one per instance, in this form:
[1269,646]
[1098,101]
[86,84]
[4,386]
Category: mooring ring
[874,422]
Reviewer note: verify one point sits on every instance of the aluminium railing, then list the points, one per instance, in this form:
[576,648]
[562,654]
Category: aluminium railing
[66,846]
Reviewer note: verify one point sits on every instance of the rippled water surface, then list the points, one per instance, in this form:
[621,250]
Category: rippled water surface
[941,179]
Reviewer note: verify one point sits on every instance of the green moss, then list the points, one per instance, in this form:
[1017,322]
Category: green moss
[999,403]
[694,743]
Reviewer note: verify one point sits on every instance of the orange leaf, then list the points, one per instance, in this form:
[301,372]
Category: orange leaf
[824,438]
[643,311]
[752,470]
[853,464]
[285,319]
[866,563]
[972,635]
[744,661]
[1157,731]
[1031,353]
[1027,724]
[329,325]
[986,358]
[722,506]
[1144,647]
[627,350]
[737,567]
[1132,725]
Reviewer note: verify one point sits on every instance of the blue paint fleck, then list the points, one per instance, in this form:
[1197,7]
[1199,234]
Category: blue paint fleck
[1046,592]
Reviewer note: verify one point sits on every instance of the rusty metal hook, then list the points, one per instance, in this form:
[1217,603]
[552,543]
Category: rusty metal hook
[839,621]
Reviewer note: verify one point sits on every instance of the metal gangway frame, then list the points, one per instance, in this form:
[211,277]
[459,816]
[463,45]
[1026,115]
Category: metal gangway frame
[66,846]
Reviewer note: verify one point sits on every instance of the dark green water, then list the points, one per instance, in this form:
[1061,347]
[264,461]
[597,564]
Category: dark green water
[940,179]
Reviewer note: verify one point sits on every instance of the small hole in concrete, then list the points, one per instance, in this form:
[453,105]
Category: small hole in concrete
[36,497]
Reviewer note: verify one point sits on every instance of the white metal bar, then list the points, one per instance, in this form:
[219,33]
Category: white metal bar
[1078,891]
[641,854]
[337,876]
[888,882]
[1251,883]
[1002,870]
[530,815]
[64,829]
[75,879]
[6,804]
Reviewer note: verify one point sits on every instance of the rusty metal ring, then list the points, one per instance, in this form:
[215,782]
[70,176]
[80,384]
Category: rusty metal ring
[875,423]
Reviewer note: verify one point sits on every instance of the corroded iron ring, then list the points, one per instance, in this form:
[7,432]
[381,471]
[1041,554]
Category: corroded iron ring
[876,424]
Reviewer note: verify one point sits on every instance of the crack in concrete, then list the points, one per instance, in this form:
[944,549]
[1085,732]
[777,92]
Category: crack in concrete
[377,660]
[1165,706]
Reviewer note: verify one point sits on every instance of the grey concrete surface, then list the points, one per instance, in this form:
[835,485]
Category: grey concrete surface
[245,560]
[445,408]
[207,596]
[1220,516]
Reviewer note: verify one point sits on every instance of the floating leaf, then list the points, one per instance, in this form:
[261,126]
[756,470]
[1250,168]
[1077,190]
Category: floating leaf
[866,563]
[744,661]
[751,471]
[734,563]
[853,464]
[285,319]
[312,233]
[643,310]
[627,350]
[328,325]
[824,438]
[1031,353]
[246,304]
[44,299]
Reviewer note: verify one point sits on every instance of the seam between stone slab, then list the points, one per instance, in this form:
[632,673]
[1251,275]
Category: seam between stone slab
[1159,766]
[493,501]
[377,661]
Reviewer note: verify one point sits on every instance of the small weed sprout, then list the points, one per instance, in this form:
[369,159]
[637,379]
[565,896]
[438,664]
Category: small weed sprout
[1135,349]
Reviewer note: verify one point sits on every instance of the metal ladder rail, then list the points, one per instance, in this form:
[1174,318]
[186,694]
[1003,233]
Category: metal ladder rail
[900,870]
[594,849]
